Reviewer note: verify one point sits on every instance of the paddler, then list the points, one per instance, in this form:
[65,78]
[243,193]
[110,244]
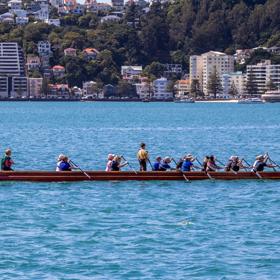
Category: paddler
[7,162]
[211,164]
[204,164]
[187,164]
[157,163]
[165,165]
[63,163]
[143,157]
[109,162]
[261,163]
[117,163]
[234,164]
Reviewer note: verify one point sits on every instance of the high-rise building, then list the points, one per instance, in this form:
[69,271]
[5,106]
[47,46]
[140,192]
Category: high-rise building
[203,66]
[262,73]
[12,76]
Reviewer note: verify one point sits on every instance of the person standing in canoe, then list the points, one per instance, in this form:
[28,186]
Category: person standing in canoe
[7,162]
[143,157]
[261,163]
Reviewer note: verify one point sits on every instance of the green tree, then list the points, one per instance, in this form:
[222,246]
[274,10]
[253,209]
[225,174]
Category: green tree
[233,90]
[125,89]
[154,70]
[195,89]
[250,85]
[214,86]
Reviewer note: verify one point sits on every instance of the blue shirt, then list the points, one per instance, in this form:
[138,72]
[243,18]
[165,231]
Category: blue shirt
[187,165]
[164,166]
[64,166]
[156,166]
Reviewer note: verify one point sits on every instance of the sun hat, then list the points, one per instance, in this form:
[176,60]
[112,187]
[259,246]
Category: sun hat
[110,156]
[167,159]
[60,157]
[259,157]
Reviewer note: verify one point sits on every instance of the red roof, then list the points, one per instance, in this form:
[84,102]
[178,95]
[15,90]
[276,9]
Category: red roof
[58,67]
[91,50]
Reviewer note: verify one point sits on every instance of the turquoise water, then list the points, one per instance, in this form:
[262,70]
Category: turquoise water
[138,230]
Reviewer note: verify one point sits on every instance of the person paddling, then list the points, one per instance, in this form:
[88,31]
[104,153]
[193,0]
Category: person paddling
[143,157]
[156,165]
[234,164]
[187,164]
[117,163]
[63,164]
[7,162]
[211,164]
[109,162]
[165,165]
[261,162]
[204,164]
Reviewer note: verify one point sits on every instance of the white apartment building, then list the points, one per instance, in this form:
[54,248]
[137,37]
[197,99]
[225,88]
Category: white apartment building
[203,66]
[19,87]
[11,60]
[4,90]
[143,89]
[238,79]
[183,88]
[12,77]
[160,89]
[264,72]
[131,72]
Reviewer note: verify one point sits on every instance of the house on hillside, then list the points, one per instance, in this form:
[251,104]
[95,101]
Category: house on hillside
[58,71]
[90,53]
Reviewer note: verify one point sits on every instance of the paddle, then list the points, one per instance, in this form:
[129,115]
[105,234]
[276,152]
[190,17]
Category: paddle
[150,164]
[129,165]
[273,162]
[256,172]
[185,177]
[225,166]
[78,167]
[209,176]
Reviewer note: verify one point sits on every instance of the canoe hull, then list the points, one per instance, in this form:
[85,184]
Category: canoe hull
[74,176]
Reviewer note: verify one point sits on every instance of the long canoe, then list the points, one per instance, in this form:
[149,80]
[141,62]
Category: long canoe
[53,176]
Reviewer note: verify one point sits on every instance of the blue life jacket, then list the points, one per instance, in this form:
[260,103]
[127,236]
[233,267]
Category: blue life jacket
[186,166]
[164,166]
[115,166]
[64,166]
[156,166]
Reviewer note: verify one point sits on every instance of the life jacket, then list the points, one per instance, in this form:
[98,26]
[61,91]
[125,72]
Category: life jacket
[6,163]
[232,165]
[115,166]
[259,166]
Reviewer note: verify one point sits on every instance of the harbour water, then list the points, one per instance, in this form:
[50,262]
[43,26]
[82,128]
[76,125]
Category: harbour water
[138,230]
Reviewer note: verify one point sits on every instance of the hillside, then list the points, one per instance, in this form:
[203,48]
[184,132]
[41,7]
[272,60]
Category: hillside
[168,33]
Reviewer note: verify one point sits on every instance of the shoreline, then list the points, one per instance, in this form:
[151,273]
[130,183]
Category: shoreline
[111,100]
